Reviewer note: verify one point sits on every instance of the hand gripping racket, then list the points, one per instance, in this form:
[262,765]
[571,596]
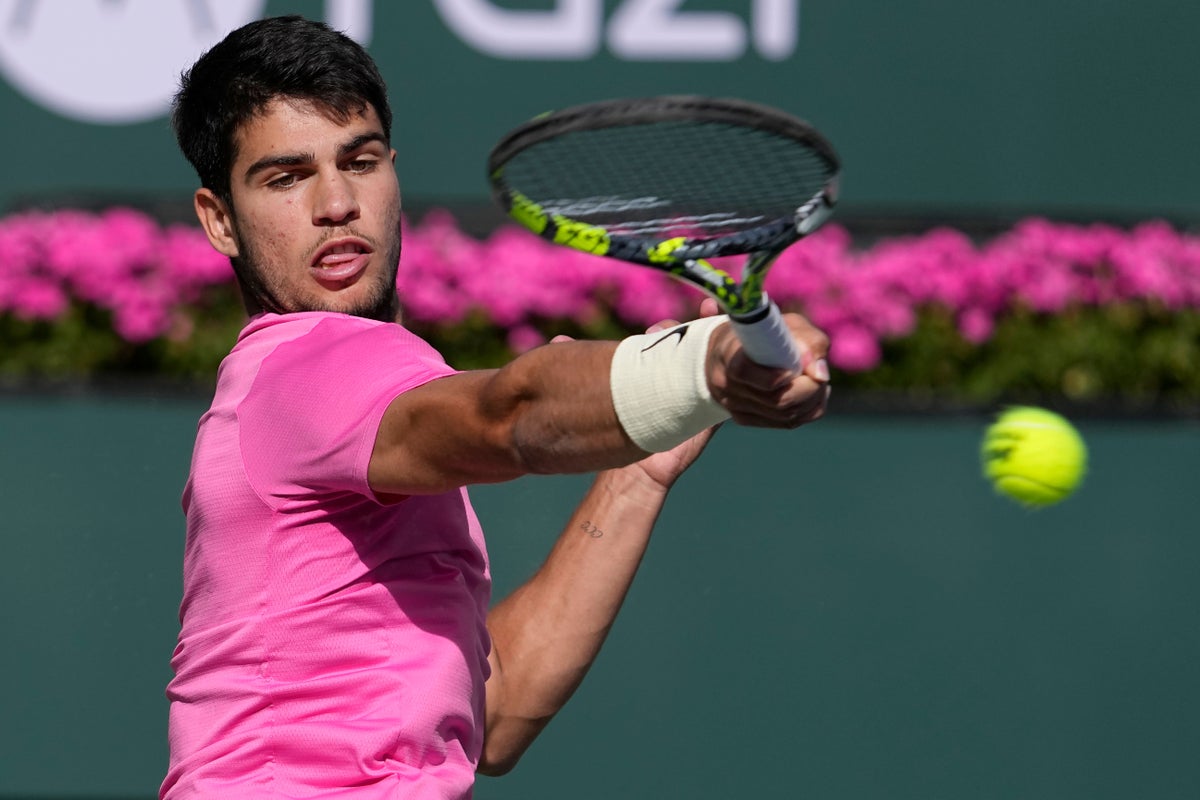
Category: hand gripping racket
[669,182]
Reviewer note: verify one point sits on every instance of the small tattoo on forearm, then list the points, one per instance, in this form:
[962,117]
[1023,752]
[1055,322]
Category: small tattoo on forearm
[591,530]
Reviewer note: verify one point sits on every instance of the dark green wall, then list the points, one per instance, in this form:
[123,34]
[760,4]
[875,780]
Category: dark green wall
[1023,106]
[858,618]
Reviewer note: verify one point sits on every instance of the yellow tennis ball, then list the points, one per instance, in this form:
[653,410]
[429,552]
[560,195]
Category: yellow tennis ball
[1034,456]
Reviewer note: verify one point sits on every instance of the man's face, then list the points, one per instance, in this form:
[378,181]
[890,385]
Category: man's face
[315,220]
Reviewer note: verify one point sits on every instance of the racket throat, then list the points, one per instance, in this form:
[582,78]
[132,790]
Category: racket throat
[754,315]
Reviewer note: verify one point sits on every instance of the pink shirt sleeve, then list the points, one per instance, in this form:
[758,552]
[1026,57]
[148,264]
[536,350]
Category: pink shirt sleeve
[333,385]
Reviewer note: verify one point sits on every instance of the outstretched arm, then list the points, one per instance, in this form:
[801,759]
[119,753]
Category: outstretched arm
[547,633]
[574,407]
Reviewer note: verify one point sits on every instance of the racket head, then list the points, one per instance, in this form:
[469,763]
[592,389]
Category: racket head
[669,181]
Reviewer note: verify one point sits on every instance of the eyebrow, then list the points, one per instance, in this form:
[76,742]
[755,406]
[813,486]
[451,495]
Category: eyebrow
[298,159]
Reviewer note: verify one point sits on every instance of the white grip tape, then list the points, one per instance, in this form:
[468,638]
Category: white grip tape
[659,387]
[768,341]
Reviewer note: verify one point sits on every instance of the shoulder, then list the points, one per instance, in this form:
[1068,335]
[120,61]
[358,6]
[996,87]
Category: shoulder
[315,353]
[318,386]
[310,338]
[320,329]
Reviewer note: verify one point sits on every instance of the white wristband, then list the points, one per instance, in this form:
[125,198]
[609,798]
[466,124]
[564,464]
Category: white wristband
[659,387]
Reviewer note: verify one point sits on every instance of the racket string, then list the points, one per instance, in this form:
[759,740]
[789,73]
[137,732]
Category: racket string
[672,178]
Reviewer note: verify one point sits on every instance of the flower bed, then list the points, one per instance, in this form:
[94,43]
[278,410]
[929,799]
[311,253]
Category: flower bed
[1046,309]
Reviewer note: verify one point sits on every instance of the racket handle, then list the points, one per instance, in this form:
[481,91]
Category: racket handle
[766,339]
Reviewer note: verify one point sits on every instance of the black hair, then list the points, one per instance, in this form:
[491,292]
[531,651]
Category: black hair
[279,57]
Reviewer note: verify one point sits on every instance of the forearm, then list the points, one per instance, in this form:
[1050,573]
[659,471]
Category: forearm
[546,635]
[548,411]
[559,399]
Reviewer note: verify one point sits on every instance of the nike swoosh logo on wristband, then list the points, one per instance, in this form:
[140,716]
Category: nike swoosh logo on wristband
[681,331]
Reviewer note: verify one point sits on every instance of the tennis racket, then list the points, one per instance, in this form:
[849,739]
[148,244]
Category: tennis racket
[670,182]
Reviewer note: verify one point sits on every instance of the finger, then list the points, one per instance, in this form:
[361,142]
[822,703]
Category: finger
[662,326]
[813,345]
[709,307]
[808,410]
[758,378]
[562,337]
[818,370]
[751,421]
[778,403]
[735,368]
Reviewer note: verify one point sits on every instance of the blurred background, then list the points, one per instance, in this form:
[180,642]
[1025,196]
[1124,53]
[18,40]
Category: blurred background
[1074,107]
[867,618]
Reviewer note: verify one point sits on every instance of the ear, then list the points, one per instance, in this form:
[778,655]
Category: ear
[217,221]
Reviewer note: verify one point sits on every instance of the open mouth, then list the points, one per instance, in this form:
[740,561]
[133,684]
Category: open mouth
[341,262]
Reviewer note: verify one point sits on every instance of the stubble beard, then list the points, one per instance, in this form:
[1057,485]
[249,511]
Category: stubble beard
[379,303]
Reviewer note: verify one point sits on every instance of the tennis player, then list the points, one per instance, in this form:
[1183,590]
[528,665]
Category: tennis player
[337,637]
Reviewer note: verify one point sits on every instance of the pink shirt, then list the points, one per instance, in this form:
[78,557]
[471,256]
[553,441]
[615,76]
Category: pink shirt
[333,642]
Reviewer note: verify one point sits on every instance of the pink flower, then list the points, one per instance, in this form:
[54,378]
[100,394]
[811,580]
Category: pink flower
[642,297]
[976,325]
[854,348]
[146,275]
[190,261]
[524,337]
[39,299]
[141,322]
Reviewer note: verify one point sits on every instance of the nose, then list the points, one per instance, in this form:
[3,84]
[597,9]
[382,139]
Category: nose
[335,203]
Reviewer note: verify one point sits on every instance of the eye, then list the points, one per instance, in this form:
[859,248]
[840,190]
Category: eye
[360,166]
[285,181]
